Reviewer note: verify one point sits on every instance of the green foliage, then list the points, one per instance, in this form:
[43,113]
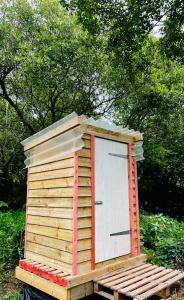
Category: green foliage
[154,105]
[100,60]
[11,296]
[49,68]
[128,23]
[3,205]
[163,240]
[11,238]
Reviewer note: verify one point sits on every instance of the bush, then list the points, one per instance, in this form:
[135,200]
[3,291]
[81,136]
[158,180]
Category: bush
[11,238]
[162,239]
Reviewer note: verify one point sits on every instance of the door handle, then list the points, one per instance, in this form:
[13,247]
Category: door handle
[98,202]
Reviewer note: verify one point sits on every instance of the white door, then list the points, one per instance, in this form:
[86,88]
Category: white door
[112,225]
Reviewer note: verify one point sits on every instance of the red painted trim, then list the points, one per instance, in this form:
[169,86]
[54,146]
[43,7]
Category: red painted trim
[75,214]
[137,209]
[44,274]
[25,235]
[92,202]
[131,198]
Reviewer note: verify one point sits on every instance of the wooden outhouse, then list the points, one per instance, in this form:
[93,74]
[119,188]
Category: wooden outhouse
[82,215]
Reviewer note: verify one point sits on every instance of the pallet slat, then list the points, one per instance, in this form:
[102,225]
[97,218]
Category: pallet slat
[155,274]
[137,283]
[121,273]
[161,287]
[156,282]
[125,279]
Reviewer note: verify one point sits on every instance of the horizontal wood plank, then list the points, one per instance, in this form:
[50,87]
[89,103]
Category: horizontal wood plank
[84,153]
[84,162]
[51,202]
[42,284]
[84,267]
[47,251]
[50,242]
[56,165]
[87,143]
[66,213]
[57,233]
[58,254]
[57,222]
[55,212]
[49,261]
[61,173]
[59,182]
[58,202]
[59,192]
[84,233]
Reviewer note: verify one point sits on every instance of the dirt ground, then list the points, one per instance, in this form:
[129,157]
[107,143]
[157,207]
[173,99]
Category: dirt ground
[11,286]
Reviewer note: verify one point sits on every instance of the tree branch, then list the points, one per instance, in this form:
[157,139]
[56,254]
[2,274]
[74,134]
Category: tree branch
[18,111]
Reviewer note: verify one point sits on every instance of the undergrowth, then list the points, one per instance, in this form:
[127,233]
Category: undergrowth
[162,239]
[11,238]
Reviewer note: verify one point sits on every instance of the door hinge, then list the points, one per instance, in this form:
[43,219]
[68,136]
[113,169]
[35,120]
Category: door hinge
[120,233]
[119,155]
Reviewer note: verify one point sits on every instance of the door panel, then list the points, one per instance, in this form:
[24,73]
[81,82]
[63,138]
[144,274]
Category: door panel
[112,224]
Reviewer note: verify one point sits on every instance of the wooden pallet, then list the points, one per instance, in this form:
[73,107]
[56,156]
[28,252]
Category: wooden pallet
[137,283]
[55,275]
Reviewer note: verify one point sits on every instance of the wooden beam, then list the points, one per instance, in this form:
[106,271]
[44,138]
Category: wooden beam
[79,279]
[50,134]
[111,135]
[42,284]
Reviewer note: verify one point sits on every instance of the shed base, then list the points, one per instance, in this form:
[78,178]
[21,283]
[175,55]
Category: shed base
[64,286]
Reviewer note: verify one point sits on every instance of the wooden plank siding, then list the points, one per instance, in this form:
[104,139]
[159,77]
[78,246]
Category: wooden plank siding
[49,230]
[50,211]
[84,158]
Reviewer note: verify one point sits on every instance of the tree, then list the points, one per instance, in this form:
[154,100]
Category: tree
[128,23]
[12,173]
[49,65]
[155,106]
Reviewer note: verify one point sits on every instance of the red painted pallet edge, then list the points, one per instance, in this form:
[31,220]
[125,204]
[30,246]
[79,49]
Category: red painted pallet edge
[44,274]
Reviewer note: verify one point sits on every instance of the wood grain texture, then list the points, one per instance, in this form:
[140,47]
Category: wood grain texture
[55,212]
[59,192]
[56,131]
[61,234]
[42,284]
[58,223]
[56,165]
[49,261]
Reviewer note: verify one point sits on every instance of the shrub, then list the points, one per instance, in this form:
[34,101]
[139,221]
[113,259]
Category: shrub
[11,237]
[162,239]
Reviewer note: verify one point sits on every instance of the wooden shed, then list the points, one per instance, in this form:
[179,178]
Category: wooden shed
[82,214]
